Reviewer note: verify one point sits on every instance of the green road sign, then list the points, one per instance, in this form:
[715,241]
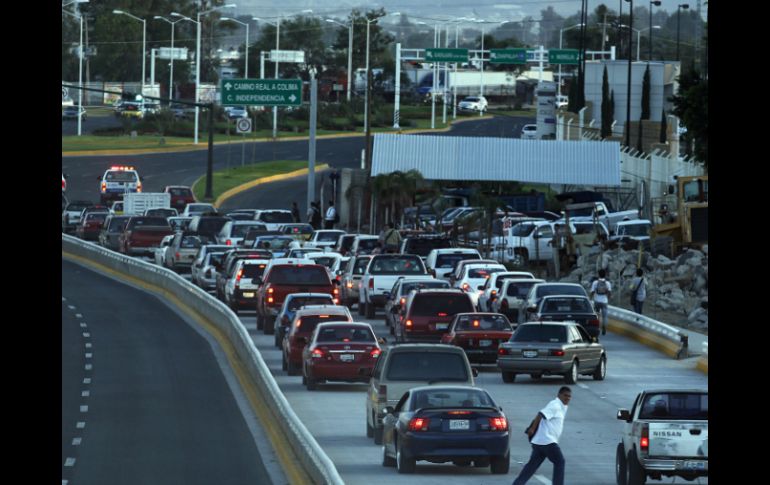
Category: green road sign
[563,56]
[261,92]
[508,56]
[446,55]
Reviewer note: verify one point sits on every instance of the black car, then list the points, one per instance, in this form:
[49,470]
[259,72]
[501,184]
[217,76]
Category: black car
[568,308]
[111,231]
[439,424]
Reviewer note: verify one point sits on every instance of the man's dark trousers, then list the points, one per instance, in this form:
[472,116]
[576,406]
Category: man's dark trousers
[540,453]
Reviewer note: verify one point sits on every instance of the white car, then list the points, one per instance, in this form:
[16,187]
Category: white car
[511,297]
[529,132]
[274,218]
[197,208]
[162,250]
[329,259]
[235,112]
[561,101]
[475,275]
[325,238]
[474,103]
[233,232]
[441,262]
[241,288]
[494,283]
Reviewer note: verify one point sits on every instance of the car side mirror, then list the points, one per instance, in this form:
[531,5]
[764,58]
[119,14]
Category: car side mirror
[258,279]
[532,309]
[475,372]
[624,415]
[98,177]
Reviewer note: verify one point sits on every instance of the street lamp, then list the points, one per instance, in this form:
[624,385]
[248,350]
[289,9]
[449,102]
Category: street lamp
[224,19]
[144,46]
[366,89]
[561,33]
[79,16]
[638,38]
[657,4]
[171,75]
[350,50]
[682,6]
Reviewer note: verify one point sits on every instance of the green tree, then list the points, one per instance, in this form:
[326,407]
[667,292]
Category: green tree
[606,129]
[691,106]
[646,94]
[663,127]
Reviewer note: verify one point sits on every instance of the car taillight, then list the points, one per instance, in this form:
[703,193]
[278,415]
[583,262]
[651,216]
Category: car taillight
[317,354]
[503,351]
[336,291]
[270,298]
[644,441]
[237,277]
[208,273]
[228,243]
[382,394]
[556,353]
[504,304]
[403,301]
[139,186]
[104,186]
[299,322]
[466,287]
[442,314]
[498,424]
[177,255]
[349,284]
[419,424]
[375,353]
[593,323]
[408,324]
[493,293]
[371,283]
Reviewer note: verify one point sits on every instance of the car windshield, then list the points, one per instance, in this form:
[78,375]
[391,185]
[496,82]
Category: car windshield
[306,229]
[471,99]
[428,366]
[477,273]
[634,230]
[451,260]
[397,265]
[120,176]
[310,300]
[161,212]
[151,221]
[180,192]
[96,216]
[675,405]
[328,236]
[212,225]
[451,398]
[586,228]
[253,270]
[201,208]
[423,247]
[407,287]
[519,290]
[274,243]
[540,333]
[240,230]
[299,275]
[556,289]
[367,245]
[566,305]
[273,217]
[308,323]
[345,334]
[522,230]
[482,322]
[215,259]
[179,224]
[327,261]
[190,242]
[441,305]
[347,242]
[360,265]
[117,224]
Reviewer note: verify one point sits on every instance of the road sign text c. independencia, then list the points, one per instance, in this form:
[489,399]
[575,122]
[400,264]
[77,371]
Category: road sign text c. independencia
[257,98]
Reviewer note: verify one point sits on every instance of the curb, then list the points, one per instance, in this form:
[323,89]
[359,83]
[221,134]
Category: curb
[262,180]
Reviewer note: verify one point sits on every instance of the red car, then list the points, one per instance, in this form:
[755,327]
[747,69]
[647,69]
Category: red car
[479,335]
[181,195]
[337,352]
[91,225]
[305,321]
[428,313]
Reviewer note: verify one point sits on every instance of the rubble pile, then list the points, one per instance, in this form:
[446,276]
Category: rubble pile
[679,286]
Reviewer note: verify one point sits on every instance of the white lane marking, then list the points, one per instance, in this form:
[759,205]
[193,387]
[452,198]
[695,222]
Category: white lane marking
[78,315]
[76,441]
[543,480]
[83,409]
[89,366]
[83,325]
[88,345]
[71,307]
[80,425]
[69,462]
[85,394]
[89,355]
[583,386]
[87,380]
[86,335]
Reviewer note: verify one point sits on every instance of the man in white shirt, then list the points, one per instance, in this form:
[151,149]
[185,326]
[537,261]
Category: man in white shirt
[544,433]
[331,215]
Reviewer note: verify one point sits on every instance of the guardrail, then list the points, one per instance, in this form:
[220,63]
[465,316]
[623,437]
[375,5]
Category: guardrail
[703,362]
[313,459]
[657,334]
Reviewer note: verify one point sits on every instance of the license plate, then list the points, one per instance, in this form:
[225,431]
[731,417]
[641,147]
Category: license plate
[442,326]
[529,353]
[248,294]
[485,343]
[694,465]
[459,424]
[347,357]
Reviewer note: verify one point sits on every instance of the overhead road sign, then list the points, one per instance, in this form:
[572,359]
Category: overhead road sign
[446,55]
[508,56]
[177,53]
[287,56]
[261,92]
[563,56]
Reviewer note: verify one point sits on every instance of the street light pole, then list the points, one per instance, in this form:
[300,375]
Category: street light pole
[171,76]
[561,33]
[657,4]
[679,8]
[197,67]
[628,93]
[350,51]
[144,46]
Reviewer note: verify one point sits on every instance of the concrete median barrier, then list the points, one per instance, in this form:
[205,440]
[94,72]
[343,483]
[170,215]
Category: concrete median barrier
[652,333]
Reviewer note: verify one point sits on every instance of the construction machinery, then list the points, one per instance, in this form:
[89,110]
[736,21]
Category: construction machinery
[688,227]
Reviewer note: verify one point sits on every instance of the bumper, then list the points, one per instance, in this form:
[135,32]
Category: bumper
[481,356]
[208,283]
[242,298]
[442,447]
[423,337]
[685,467]
[534,365]
[377,300]
[338,371]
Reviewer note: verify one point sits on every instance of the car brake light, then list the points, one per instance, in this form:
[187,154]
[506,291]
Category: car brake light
[442,314]
[349,284]
[317,353]
[229,242]
[104,186]
[139,186]
[408,324]
[593,323]
[375,353]
[556,353]
[371,283]
[237,277]
[498,424]
[475,323]
[504,304]
[466,287]
[493,293]
[419,424]
[644,441]
[458,412]
[403,300]
[299,322]
[177,255]
[503,351]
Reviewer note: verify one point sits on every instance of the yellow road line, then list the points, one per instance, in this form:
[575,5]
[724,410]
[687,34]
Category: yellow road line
[287,457]
[262,180]
[651,340]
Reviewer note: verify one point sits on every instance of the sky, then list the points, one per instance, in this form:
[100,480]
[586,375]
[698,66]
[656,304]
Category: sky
[492,10]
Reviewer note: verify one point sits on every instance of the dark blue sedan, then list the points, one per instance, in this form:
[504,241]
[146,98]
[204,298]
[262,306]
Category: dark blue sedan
[440,424]
[291,304]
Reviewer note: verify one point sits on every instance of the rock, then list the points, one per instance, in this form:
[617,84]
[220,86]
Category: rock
[663,304]
[695,262]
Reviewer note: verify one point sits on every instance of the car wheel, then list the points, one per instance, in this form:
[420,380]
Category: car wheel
[635,472]
[369,308]
[369,430]
[392,330]
[404,464]
[277,341]
[509,377]
[501,464]
[310,383]
[572,375]
[268,327]
[387,460]
[283,361]
[260,322]
[620,465]
[292,368]
[378,435]
[360,309]
[601,369]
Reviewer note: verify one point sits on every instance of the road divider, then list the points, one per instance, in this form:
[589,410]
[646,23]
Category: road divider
[301,457]
[669,340]
[703,361]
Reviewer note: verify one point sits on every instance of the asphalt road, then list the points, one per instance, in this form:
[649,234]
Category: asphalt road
[143,396]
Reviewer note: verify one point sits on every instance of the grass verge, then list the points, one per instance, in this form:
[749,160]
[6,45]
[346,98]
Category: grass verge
[225,180]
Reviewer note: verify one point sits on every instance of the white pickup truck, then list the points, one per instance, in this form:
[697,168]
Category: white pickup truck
[381,274]
[602,213]
[665,434]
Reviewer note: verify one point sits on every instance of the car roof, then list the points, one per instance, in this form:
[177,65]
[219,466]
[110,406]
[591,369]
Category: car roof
[316,309]
[549,322]
[523,280]
[251,261]
[439,291]
[347,324]
[453,387]
[425,347]
[306,295]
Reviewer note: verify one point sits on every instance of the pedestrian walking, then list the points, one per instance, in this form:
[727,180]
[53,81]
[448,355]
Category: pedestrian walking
[638,287]
[331,216]
[314,215]
[295,211]
[601,291]
[392,239]
[544,433]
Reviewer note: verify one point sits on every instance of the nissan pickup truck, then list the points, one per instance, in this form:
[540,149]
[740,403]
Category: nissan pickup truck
[381,274]
[143,234]
[664,434]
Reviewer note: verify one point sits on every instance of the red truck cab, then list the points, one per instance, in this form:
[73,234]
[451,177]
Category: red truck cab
[143,233]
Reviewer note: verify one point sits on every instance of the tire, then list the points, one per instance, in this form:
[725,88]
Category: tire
[369,430]
[260,322]
[292,368]
[635,472]
[369,309]
[570,375]
[269,329]
[500,464]
[509,377]
[601,369]
[276,341]
[404,464]
[267,324]
[621,474]
[311,384]
[283,362]
[378,435]
[360,309]
[387,460]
